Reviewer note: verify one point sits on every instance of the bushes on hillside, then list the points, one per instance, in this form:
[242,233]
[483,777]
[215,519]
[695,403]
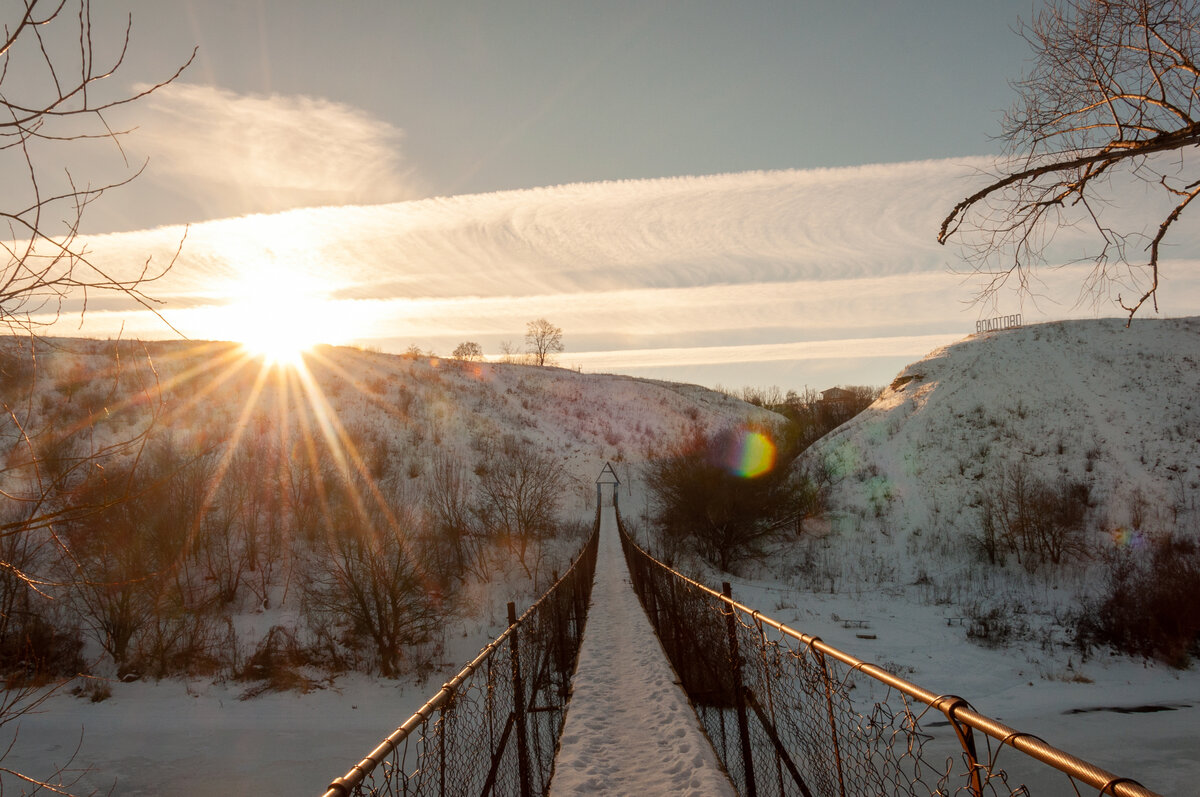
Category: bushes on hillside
[520,491]
[704,502]
[812,416]
[366,581]
[1036,521]
[159,552]
[1148,606]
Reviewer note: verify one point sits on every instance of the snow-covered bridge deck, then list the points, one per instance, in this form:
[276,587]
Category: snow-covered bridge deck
[629,728]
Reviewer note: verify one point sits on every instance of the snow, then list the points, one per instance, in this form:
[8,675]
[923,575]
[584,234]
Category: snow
[629,728]
[199,736]
[1087,400]
[1046,691]
[1092,400]
[199,739]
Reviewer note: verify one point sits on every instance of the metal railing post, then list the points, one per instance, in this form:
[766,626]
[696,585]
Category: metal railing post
[562,631]
[519,703]
[965,738]
[421,763]
[772,726]
[833,734]
[490,703]
[739,700]
[442,751]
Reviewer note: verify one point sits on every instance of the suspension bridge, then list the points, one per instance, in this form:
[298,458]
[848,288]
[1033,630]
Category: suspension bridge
[676,688]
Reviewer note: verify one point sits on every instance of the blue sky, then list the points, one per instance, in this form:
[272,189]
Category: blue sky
[732,193]
[488,96]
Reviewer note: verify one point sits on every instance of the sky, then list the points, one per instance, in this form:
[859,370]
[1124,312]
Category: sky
[723,193]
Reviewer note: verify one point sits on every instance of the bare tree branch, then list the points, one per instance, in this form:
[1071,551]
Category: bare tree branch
[53,95]
[1115,85]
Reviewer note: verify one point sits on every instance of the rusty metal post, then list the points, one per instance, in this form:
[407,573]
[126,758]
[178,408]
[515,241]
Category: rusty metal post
[773,726]
[965,738]
[676,626]
[837,753]
[560,658]
[739,700]
[442,751]
[490,702]
[519,704]
[650,601]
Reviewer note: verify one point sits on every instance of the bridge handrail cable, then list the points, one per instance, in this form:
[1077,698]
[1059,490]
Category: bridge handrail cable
[959,713]
[577,579]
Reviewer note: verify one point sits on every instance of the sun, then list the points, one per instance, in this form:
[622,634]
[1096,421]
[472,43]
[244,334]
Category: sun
[279,316]
[278,339]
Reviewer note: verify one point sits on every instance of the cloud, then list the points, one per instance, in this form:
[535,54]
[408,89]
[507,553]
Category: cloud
[910,346]
[263,153]
[757,227]
[720,271]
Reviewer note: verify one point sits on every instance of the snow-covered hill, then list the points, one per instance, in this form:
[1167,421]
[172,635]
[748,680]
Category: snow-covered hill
[77,411]
[895,572]
[411,406]
[1115,408]
[251,487]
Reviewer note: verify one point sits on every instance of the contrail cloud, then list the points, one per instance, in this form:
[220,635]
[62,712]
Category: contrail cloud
[758,267]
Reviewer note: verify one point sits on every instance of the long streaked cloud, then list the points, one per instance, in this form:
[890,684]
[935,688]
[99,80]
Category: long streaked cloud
[752,267]
[668,233]
[263,153]
[911,346]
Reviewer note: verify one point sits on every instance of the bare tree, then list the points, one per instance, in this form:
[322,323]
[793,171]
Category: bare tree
[454,540]
[1114,88]
[509,354]
[1040,522]
[364,576]
[54,98]
[543,340]
[51,97]
[521,490]
[699,502]
[468,350]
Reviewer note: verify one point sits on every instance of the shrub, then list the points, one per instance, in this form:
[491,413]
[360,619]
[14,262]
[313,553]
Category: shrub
[1148,607]
[703,500]
[275,664]
[521,490]
[1038,521]
[35,651]
[994,626]
[365,579]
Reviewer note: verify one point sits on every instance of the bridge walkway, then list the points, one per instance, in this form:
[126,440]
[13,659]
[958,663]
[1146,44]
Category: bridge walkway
[629,729]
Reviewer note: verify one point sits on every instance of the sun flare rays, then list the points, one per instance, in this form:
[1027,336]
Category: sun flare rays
[278,314]
[283,421]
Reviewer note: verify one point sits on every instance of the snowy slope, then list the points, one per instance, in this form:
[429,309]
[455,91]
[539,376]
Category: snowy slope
[409,406]
[389,414]
[891,573]
[1093,401]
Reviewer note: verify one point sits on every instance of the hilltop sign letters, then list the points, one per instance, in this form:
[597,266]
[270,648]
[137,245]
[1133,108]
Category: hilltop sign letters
[997,323]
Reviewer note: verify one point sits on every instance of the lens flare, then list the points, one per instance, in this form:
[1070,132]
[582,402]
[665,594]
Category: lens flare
[1127,538]
[755,456]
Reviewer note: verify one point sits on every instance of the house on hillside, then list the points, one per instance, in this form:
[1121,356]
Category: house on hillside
[836,398]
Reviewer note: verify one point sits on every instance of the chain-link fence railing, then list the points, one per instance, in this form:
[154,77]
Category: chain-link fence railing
[790,715]
[494,727]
